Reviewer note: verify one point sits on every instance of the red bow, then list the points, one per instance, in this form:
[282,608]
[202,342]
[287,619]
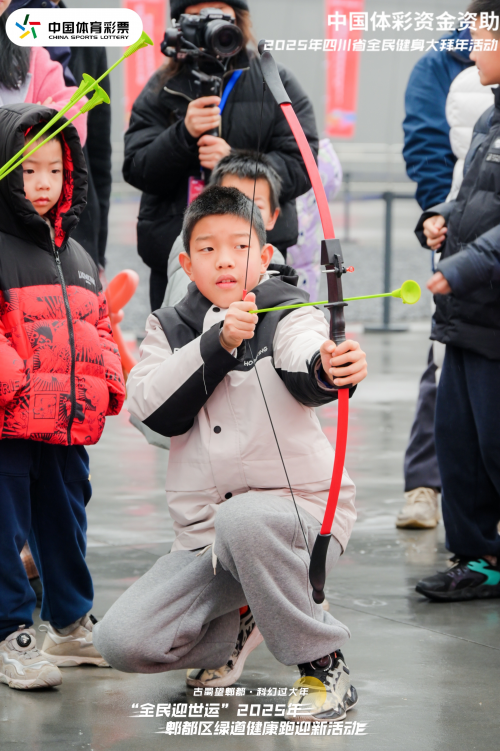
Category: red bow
[331,258]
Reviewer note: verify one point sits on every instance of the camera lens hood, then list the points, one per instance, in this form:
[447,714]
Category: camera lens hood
[222,38]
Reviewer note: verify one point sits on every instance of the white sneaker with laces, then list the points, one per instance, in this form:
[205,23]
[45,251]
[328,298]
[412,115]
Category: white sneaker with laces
[421,510]
[68,650]
[21,664]
[249,637]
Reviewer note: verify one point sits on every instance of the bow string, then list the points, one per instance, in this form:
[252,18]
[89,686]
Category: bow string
[332,259]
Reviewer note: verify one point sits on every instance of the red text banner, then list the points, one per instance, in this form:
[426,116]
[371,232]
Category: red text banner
[345,21]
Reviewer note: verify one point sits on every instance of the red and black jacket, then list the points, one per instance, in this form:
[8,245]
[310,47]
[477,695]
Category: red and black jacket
[60,371]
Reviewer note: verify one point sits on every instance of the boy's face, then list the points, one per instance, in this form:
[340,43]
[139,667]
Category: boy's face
[262,195]
[487,61]
[43,177]
[218,258]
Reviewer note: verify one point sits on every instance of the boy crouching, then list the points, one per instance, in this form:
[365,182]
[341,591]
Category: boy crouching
[238,570]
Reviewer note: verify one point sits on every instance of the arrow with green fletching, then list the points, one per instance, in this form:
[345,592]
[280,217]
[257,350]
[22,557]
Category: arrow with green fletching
[409,292]
[87,85]
[100,97]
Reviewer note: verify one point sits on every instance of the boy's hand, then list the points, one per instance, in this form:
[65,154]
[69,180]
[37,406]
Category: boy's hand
[435,231]
[202,115]
[211,150]
[333,357]
[239,324]
[438,285]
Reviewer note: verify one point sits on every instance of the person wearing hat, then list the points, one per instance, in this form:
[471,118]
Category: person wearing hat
[167,143]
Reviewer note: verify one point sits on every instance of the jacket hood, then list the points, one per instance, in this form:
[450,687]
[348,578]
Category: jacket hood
[17,215]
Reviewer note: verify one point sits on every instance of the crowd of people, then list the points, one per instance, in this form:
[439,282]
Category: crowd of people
[246,239]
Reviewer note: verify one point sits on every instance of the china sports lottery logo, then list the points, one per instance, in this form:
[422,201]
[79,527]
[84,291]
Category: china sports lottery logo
[26,31]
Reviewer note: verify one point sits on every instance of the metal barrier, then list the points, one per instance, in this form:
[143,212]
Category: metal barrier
[389,197]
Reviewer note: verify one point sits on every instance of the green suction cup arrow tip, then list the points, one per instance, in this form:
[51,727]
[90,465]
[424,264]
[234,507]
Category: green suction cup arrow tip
[143,41]
[410,292]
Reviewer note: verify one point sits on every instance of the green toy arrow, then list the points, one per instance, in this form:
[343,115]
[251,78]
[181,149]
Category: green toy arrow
[85,87]
[100,97]
[409,292]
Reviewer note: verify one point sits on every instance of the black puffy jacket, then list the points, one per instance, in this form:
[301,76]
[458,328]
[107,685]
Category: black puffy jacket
[160,154]
[92,229]
[470,258]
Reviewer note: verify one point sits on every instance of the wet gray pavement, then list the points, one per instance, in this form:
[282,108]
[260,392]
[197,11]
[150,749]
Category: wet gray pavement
[427,674]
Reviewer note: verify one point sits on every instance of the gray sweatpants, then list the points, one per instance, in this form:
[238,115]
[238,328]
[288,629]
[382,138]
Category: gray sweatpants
[182,615]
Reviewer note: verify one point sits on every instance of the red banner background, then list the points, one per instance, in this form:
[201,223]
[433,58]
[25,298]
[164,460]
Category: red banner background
[342,71]
[139,68]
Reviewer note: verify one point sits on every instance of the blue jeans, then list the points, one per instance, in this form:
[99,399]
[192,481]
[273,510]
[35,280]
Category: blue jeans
[468,452]
[43,493]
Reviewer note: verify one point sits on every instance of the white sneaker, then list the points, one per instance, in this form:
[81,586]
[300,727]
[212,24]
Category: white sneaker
[249,637]
[72,649]
[21,664]
[421,510]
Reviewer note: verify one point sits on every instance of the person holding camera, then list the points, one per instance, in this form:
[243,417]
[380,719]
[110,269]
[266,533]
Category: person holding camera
[204,102]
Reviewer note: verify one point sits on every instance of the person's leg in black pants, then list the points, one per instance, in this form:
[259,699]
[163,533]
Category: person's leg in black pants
[157,287]
[468,450]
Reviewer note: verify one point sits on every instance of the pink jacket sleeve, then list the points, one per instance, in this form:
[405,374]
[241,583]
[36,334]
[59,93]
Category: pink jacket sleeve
[47,80]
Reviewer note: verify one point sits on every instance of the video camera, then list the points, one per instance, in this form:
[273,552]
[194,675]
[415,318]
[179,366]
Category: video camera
[211,34]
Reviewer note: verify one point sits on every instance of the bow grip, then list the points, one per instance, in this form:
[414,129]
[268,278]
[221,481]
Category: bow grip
[317,567]
[271,75]
[333,260]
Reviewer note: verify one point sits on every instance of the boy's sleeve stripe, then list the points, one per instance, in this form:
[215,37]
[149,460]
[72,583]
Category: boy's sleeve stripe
[168,393]
[160,373]
[297,341]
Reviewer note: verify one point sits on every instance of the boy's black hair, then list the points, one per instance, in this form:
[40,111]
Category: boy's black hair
[217,201]
[485,6]
[244,164]
[35,130]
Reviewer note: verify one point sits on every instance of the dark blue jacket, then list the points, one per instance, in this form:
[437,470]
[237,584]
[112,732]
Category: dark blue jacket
[427,149]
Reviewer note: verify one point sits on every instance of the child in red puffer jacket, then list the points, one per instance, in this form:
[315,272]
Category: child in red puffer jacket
[60,376]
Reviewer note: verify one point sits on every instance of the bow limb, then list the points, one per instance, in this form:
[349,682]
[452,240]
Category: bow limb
[331,257]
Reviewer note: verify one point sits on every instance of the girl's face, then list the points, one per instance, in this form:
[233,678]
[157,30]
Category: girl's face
[4,4]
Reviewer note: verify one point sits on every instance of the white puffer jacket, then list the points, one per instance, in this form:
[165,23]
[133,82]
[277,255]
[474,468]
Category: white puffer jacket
[467,100]
[188,387]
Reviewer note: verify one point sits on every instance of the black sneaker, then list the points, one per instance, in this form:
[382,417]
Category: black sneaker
[467,579]
[329,701]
